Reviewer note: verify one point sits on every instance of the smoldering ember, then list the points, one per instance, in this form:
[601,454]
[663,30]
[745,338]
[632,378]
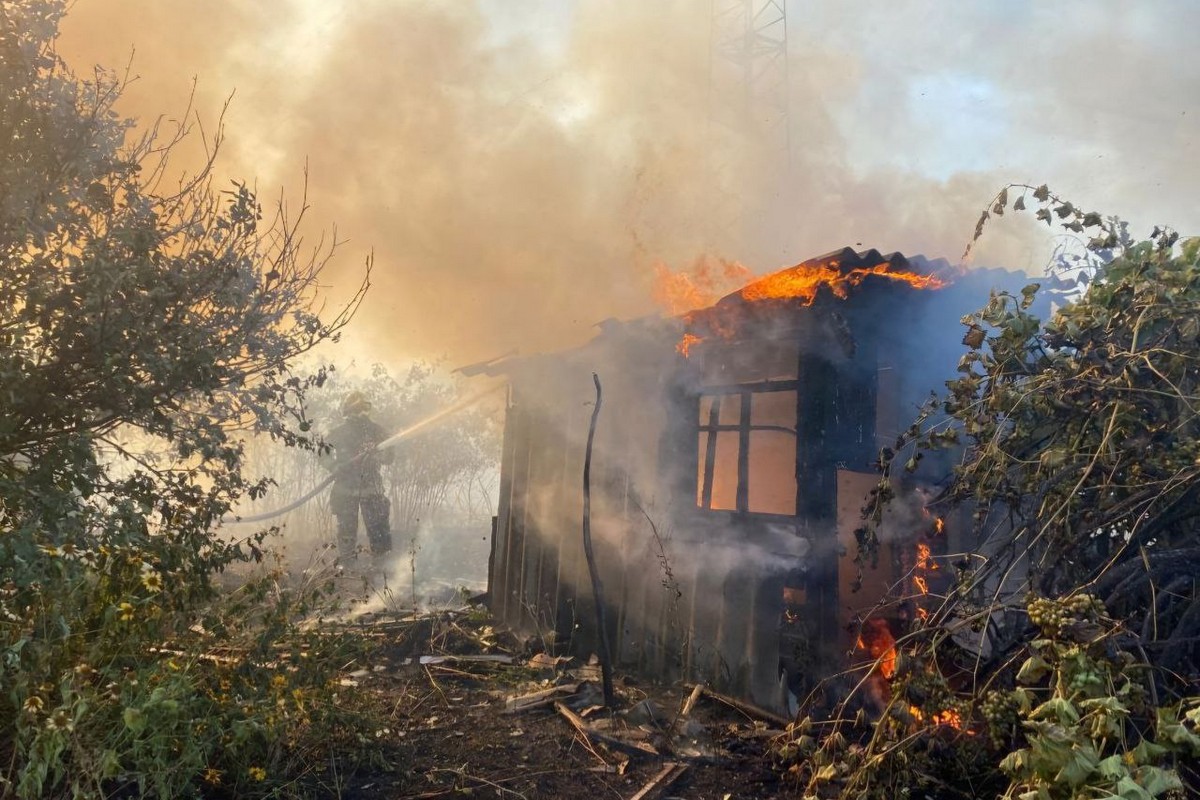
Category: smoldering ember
[438,414]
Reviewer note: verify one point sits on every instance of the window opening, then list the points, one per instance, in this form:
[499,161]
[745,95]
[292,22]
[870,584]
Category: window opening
[746,448]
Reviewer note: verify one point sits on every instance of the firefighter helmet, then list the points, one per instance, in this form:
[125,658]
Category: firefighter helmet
[356,403]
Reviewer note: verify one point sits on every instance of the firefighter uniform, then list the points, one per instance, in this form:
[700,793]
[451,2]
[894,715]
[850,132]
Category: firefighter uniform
[358,484]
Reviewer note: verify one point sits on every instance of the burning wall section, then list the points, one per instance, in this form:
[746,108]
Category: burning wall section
[732,460]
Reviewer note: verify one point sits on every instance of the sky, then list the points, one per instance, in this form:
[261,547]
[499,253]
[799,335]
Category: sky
[518,168]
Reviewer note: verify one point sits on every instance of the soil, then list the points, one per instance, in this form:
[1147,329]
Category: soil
[446,732]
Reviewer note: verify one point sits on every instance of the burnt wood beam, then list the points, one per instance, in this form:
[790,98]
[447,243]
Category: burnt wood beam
[757,386]
[710,453]
[739,428]
[743,465]
[501,528]
[606,677]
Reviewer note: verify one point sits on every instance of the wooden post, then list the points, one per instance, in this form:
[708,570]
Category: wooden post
[597,588]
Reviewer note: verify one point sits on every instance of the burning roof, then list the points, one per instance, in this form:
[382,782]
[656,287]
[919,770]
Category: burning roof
[837,274]
[692,296]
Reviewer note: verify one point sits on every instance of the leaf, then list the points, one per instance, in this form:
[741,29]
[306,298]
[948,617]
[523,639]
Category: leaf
[1113,767]
[1107,703]
[1020,204]
[1128,789]
[1050,746]
[1028,294]
[1015,762]
[1170,729]
[1001,202]
[996,311]
[1044,215]
[983,218]
[134,719]
[1080,767]
[974,337]
[1033,670]
[110,764]
[1057,708]
[1156,780]
[1042,193]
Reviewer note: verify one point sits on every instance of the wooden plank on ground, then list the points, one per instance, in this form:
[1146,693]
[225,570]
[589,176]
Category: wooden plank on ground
[596,737]
[661,781]
[746,708]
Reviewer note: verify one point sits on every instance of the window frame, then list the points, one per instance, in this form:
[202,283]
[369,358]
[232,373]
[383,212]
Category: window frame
[712,427]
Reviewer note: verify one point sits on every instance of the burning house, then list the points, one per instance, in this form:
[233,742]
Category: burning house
[733,456]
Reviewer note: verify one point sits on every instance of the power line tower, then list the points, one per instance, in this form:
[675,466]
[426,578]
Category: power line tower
[750,137]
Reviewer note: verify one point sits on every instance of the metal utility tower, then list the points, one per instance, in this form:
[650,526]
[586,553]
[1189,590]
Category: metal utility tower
[749,127]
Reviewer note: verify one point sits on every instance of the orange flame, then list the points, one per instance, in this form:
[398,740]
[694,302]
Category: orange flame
[802,281]
[687,291]
[939,526]
[878,642]
[684,346]
[948,717]
[697,287]
[925,564]
[925,558]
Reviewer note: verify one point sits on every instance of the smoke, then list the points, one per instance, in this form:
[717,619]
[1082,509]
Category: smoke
[518,167]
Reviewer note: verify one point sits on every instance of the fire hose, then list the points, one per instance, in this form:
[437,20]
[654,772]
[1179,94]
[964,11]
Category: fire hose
[386,444]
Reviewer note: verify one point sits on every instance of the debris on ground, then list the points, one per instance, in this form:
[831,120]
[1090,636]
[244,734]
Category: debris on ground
[468,708]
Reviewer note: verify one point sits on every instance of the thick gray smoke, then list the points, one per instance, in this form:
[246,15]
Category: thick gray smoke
[518,167]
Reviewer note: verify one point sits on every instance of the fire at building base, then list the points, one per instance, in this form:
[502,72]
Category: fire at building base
[732,462]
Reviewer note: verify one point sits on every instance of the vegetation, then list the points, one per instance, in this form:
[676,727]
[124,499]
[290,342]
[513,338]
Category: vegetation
[145,331]
[1064,662]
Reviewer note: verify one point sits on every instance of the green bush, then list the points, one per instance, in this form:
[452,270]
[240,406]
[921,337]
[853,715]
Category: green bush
[1080,474]
[143,335]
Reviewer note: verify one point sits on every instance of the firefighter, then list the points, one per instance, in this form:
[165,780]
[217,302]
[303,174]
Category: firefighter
[358,484]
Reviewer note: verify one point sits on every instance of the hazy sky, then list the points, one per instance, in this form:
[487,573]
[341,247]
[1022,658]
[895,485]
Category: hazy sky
[520,166]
